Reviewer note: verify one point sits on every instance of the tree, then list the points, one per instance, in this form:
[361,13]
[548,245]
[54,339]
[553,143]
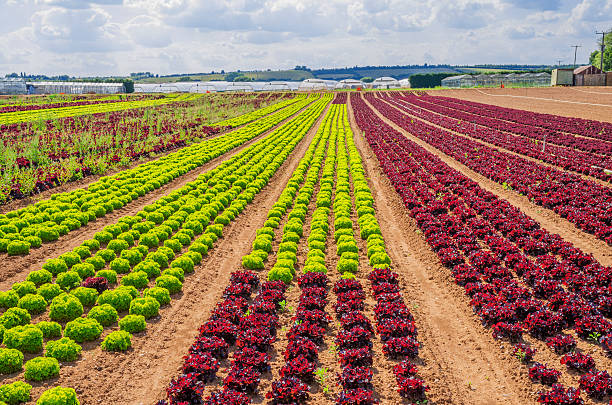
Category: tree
[128,85]
[428,80]
[595,58]
[230,77]
[367,79]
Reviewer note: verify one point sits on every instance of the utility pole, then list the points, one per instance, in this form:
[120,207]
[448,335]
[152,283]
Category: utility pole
[575,52]
[603,45]
[559,62]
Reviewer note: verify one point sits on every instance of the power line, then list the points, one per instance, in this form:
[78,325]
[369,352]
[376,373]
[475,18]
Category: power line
[575,52]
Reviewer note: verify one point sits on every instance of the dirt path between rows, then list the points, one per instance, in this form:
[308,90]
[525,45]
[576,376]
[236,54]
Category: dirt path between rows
[491,145]
[16,268]
[461,359]
[548,219]
[141,375]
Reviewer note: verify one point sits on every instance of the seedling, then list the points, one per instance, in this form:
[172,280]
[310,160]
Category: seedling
[520,355]
[595,336]
[334,349]
[321,376]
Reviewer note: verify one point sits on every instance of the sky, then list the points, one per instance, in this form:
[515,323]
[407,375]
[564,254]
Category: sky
[116,37]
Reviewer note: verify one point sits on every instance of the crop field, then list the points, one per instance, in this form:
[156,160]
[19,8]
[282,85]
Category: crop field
[350,248]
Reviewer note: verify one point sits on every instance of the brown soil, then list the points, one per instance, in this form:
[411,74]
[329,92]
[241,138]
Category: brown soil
[16,268]
[566,101]
[548,219]
[141,375]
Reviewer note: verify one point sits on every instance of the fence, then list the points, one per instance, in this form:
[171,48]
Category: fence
[590,80]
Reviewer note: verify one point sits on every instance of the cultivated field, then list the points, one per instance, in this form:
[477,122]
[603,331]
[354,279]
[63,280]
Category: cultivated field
[580,102]
[280,248]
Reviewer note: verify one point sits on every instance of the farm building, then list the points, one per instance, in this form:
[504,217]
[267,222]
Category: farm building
[74,88]
[589,75]
[385,83]
[10,85]
[350,84]
[562,77]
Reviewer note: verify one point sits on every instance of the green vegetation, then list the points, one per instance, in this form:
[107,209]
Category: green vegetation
[595,57]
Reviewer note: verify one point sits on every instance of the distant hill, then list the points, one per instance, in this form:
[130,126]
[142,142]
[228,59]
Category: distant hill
[290,75]
[356,72]
[271,75]
[397,72]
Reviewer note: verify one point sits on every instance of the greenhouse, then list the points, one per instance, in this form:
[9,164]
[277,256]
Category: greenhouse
[74,88]
[496,80]
[350,84]
[317,84]
[385,83]
[204,87]
[276,86]
[10,85]
[405,83]
[459,81]
[242,87]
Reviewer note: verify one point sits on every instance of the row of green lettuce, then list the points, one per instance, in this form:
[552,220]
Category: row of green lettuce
[246,118]
[201,208]
[63,112]
[335,129]
[47,220]
[369,228]
[293,204]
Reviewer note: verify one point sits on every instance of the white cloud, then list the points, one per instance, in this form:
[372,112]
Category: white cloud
[169,36]
[77,4]
[148,31]
[594,10]
[69,31]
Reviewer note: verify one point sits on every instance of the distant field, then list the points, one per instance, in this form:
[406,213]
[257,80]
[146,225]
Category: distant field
[293,75]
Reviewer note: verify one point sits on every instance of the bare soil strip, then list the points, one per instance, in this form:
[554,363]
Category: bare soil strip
[548,219]
[16,268]
[541,106]
[545,99]
[461,360]
[141,375]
